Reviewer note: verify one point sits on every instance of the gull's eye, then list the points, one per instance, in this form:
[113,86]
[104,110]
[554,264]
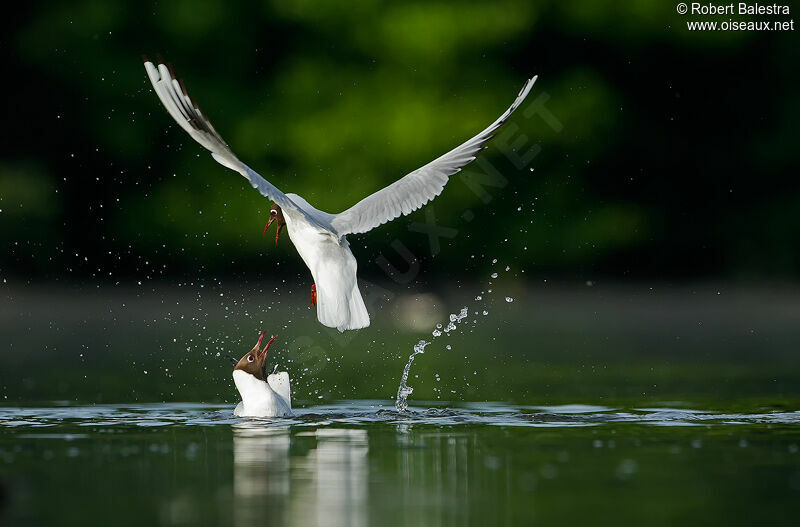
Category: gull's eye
[273,212]
[250,358]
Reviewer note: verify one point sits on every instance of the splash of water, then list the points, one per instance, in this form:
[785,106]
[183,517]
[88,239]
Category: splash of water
[404,390]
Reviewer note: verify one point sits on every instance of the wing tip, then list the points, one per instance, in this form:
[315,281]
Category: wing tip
[186,93]
[152,72]
[526,88]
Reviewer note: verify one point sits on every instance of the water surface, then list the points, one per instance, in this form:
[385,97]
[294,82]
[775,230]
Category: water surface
[638,405]
[363,463]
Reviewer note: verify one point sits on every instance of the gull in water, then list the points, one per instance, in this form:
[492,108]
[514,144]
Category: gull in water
[262,395]
[321,237]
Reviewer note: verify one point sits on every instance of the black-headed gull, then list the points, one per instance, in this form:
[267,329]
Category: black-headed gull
[320,237]
[262,395]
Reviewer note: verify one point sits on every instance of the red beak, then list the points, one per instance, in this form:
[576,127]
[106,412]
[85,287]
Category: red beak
[268,344]
[268,224]
[258,344]
[278,233]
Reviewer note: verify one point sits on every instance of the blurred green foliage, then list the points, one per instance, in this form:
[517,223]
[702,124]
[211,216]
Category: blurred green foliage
[677,155]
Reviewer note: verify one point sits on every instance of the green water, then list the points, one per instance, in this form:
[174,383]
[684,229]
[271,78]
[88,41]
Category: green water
[360,463]
[613,406]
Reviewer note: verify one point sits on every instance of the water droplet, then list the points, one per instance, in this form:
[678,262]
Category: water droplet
[509,299]
[494,275]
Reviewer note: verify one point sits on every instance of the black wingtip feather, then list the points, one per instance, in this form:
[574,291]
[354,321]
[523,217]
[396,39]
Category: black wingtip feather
[171,69]
[183,87]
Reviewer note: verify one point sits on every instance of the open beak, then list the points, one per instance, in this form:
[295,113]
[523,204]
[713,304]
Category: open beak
[258,343]
[278,233]
[264,351]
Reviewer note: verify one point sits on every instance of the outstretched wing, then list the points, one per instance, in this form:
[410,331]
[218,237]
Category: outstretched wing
[279,382]
[419,187]
[186,113]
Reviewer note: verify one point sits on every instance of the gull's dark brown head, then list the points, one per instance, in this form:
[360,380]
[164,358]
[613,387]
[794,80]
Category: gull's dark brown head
[254,362]
[276,215]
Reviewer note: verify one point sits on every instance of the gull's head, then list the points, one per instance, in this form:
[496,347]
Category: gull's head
[254,361]
[275,215]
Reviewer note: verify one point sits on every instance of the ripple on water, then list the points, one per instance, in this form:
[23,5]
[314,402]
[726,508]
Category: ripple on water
[366,412]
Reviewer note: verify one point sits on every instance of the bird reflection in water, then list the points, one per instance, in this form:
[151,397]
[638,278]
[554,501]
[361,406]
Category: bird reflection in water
[323,481]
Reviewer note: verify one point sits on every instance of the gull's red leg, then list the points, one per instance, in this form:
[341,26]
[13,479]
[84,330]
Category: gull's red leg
[313,294]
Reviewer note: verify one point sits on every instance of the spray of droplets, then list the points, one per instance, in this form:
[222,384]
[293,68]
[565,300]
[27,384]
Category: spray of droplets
[404,390]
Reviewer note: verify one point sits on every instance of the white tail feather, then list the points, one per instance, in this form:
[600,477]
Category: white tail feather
[339,302]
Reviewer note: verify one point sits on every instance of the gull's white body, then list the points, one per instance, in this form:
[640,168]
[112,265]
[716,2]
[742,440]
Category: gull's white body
[319,236]
[263,399]
[332,265]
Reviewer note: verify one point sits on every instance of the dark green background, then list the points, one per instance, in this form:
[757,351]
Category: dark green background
[678,155]
[651,254]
